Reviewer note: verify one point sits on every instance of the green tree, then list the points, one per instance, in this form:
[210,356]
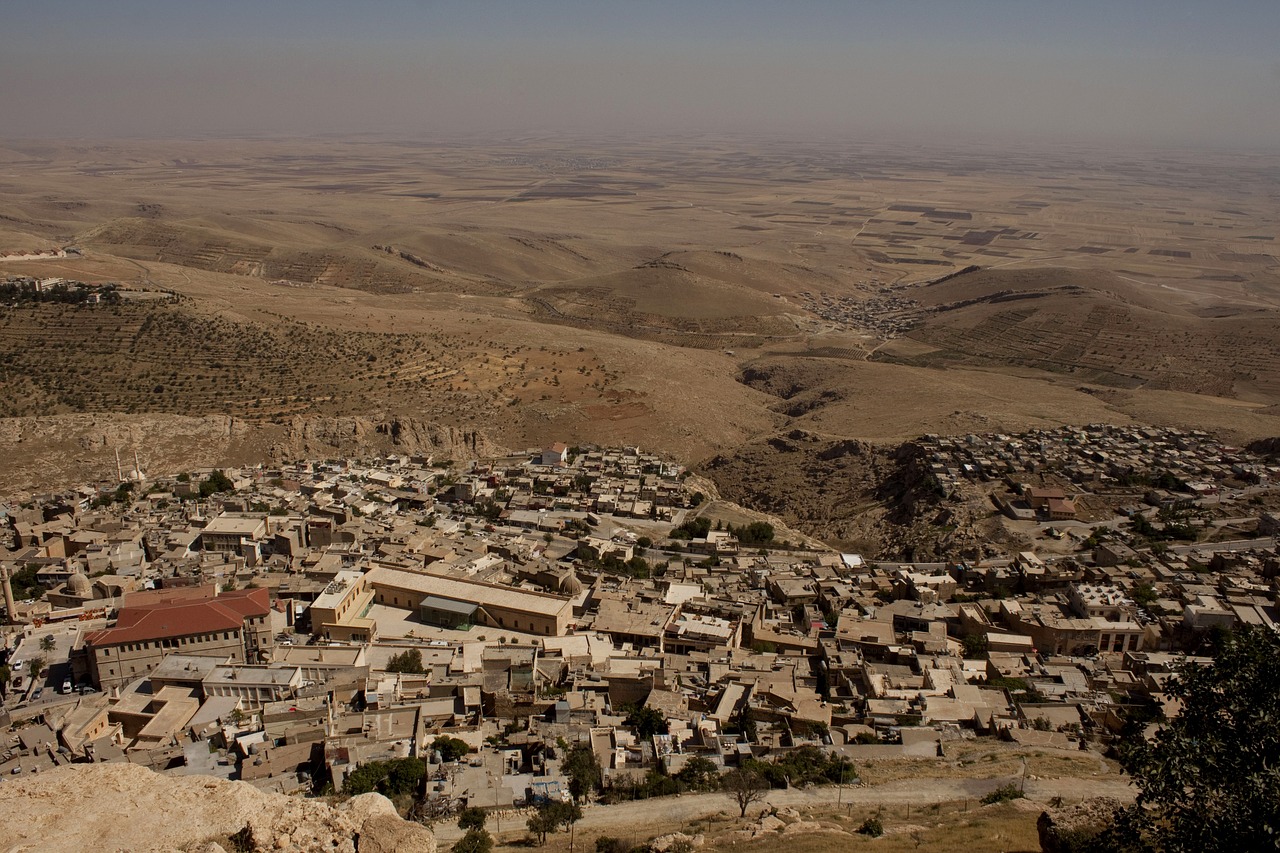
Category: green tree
[404,776]
[472,817]
[407,662]
[975,645]
[699,774]
[389,778]
[214,483]
[551,816]
[450,748]
[365,778]
[34,666]
[644,721]
[755,533]
[1209,779]
[1144,594]
[539,823]
[474,841]
[583,770]
[47,643]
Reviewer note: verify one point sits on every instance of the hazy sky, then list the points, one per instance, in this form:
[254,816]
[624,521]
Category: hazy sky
[1165,72]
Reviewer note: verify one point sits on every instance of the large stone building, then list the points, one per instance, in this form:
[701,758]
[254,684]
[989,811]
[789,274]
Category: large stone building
[461,601]
[151,625]
[340,612]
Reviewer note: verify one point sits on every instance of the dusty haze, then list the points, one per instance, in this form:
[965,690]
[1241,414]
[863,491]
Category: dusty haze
[1150,73]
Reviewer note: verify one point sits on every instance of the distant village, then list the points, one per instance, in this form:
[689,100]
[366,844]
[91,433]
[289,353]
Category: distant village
[289,625]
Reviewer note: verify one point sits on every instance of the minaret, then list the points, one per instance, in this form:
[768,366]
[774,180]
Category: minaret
[137,466]
[119,470]
[11,609]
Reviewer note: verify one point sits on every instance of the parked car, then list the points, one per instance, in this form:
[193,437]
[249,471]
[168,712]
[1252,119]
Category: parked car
[66,686]
[36,695]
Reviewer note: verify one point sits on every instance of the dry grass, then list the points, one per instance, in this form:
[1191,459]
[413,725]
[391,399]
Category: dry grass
[947,828]
[983,762]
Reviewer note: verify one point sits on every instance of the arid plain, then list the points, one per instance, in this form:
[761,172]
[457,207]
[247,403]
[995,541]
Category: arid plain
[694,297]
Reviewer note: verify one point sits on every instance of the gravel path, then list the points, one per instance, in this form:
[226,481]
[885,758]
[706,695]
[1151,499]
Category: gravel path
[666,814]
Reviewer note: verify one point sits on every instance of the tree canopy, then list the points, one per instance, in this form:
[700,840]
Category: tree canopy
[407,662]
[214,483]
[450,748]
[583,770]
[389,778]
[1210,778]
[645,721]
[551,816]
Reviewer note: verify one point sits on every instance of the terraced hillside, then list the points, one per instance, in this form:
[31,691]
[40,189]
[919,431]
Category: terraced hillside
[166,358]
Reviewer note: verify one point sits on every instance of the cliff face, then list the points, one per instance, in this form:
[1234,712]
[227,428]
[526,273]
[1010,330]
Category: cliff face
[110,807]
[312,437]
[63,450]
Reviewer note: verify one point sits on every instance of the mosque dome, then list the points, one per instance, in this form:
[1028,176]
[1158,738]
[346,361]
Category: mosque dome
[570,585]
[79,586]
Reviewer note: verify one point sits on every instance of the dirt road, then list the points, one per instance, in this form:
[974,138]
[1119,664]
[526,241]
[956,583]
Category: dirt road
[646,818]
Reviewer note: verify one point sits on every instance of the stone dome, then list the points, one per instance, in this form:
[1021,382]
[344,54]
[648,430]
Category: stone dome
[570,585]
[78,585]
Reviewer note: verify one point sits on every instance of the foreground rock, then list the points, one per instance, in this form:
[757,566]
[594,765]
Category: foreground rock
[1069,829]
[116,807]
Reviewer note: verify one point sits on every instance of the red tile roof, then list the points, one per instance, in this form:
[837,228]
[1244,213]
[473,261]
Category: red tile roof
[172,619]
[165,595]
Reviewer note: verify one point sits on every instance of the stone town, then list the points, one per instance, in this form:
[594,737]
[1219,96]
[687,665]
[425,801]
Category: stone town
[287,625]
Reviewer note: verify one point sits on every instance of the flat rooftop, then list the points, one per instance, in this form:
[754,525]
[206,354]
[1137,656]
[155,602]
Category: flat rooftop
[458,589]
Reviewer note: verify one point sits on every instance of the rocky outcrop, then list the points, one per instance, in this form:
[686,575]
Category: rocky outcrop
[117,807]
[56,451]
[1266,447]
[1072,829]
[310,437]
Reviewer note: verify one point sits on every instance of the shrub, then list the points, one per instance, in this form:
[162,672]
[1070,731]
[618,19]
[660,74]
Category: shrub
[872,827]
[1003,794]
[475,841]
